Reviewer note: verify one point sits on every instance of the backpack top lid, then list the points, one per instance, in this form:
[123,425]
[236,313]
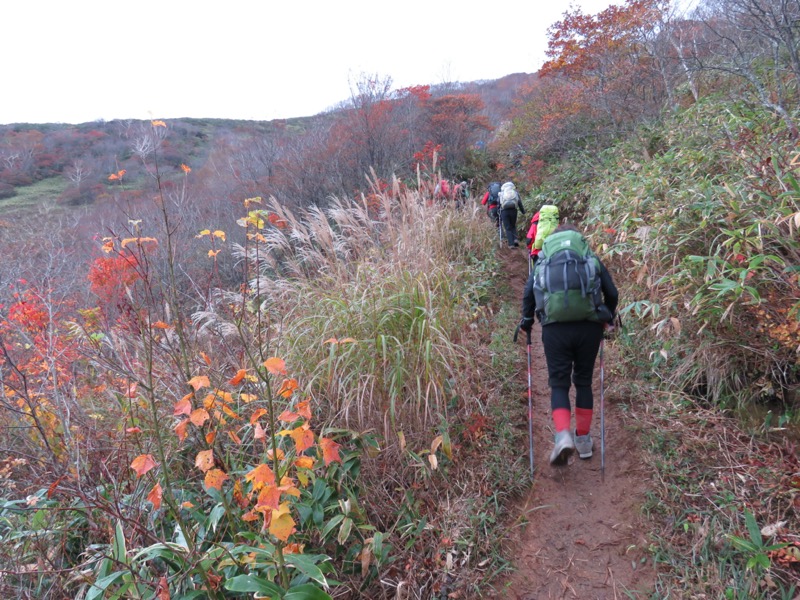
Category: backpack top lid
[507,185]
[565,240]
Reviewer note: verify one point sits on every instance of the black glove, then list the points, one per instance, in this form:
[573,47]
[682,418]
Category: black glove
[526,324]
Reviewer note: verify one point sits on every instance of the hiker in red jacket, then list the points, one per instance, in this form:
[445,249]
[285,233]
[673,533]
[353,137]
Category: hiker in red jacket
[532,236]
[491,200]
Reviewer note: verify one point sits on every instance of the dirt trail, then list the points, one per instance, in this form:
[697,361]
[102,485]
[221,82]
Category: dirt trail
[580,536]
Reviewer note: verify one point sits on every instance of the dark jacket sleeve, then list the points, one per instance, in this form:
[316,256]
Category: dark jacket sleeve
[528,299]
[610,293]
[519,204]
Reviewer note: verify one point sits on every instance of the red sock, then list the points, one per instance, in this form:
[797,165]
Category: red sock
[561,419]
[583,420]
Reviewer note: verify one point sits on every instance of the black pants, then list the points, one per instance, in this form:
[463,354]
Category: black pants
[509,217]
[571,350]
[494,214]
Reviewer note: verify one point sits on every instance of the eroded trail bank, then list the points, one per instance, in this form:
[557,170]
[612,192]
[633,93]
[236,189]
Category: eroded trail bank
[578,533]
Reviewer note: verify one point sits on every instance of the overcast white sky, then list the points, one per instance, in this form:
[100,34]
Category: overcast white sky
[83,60]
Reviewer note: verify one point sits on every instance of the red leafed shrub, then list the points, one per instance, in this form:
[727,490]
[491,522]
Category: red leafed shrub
[110,275]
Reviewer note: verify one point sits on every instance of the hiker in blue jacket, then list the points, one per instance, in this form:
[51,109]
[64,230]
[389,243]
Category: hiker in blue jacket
[570,347]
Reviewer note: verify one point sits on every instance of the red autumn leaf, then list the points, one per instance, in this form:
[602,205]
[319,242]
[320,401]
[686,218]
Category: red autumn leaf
[143,463]
[276,366]
[155,496]
[215,478]
[133,430]
[330,450]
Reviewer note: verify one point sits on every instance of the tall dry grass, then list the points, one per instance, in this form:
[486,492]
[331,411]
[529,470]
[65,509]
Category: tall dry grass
[367,300]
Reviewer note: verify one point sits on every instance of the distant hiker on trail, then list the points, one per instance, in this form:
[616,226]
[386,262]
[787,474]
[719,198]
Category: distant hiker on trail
[491,200]
[443,190]
[510,202]
[461,193]
[574,297]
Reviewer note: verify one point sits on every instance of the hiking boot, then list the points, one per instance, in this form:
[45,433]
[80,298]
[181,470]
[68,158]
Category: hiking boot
[584,445]
[563,449]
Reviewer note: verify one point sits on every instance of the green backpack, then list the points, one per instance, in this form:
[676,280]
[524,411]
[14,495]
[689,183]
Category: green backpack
[566,281]
[548,221]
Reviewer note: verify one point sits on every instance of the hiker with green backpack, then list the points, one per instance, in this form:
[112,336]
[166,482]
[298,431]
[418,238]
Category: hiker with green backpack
[574,297]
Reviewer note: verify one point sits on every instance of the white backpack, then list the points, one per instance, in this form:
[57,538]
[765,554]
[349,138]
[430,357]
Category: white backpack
[508,196]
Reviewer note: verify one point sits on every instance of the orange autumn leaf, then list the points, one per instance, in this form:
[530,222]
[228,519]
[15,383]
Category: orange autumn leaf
[237,379]
[199,416]
[288,386]
[213,253]
[250,515]
[210,437]
[155,495]
[330,450]
[158,123]
[139,241]
[132,390]
[282,525]
[162,593]
[186,168]
[204,460]
[332,340]
[108,245]
[260,476]
[247,398]
[277,221]
[215,478]
[271,454]
[275,365]
[235,438]
[199,381]
[238,496]
[259,433]
[293,548]
[160,325]
[187,505]
[218,233]
[269,497]
[181,429]
[183,406]
[257,414]
[304,462]
[304,409]
[303,437]
[288,416]
[205,358]
[143,463]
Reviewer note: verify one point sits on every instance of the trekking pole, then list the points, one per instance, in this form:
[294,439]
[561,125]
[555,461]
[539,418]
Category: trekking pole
[500,226]
[530,397]
[530,405]
[602,415]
